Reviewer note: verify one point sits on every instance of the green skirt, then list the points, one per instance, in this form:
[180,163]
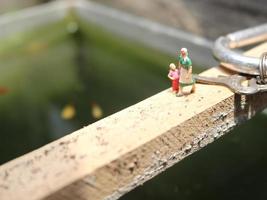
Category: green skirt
[187,84]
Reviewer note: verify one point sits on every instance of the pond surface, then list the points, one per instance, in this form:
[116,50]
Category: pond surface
[60,78]
[67,75]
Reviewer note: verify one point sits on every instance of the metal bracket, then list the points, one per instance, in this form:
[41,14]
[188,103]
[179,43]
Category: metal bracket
[237,62]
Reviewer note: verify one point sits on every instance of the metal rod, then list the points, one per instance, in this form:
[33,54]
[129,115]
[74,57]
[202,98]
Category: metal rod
[244,64]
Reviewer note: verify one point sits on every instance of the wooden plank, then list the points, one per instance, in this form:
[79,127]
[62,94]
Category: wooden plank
[116,154]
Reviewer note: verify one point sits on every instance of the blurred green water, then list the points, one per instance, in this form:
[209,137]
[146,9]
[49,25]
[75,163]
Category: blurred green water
[46,70]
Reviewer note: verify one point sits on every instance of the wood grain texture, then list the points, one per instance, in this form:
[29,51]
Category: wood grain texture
[114,155]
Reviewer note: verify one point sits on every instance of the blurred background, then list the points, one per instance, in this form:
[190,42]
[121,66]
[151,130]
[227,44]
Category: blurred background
[62,68]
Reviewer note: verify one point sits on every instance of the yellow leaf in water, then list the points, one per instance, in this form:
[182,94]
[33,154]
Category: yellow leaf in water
[97,111]
[68,112]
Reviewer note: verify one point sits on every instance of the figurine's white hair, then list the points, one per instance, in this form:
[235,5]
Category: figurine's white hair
[172,66]
[184,50]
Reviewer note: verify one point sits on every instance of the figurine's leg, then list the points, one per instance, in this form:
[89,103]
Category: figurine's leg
[193,88]
[180,93]
[175,86]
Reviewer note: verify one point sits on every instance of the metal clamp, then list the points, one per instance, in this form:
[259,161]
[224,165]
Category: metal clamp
[254,68]
[238,62]
[262,69]
[234,83]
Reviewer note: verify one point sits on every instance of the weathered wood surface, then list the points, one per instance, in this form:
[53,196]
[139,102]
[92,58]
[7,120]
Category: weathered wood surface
[114,155]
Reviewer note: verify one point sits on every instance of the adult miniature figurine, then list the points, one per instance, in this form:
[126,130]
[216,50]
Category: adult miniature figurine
[174,77]
[185,66]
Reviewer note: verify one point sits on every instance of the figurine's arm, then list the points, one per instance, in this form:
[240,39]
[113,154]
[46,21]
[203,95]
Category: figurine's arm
[179,65]
[190,70]
[170,77]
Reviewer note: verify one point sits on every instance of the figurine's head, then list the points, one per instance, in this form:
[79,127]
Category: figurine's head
[172,66]
[184,52]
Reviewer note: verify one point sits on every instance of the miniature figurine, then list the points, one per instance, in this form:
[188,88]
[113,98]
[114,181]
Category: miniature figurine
[174,77]
[185,67]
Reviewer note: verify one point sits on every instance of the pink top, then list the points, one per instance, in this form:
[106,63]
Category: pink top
[174,74]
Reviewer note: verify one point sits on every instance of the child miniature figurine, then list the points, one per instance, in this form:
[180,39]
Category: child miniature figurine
[186,78]
[174,77]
